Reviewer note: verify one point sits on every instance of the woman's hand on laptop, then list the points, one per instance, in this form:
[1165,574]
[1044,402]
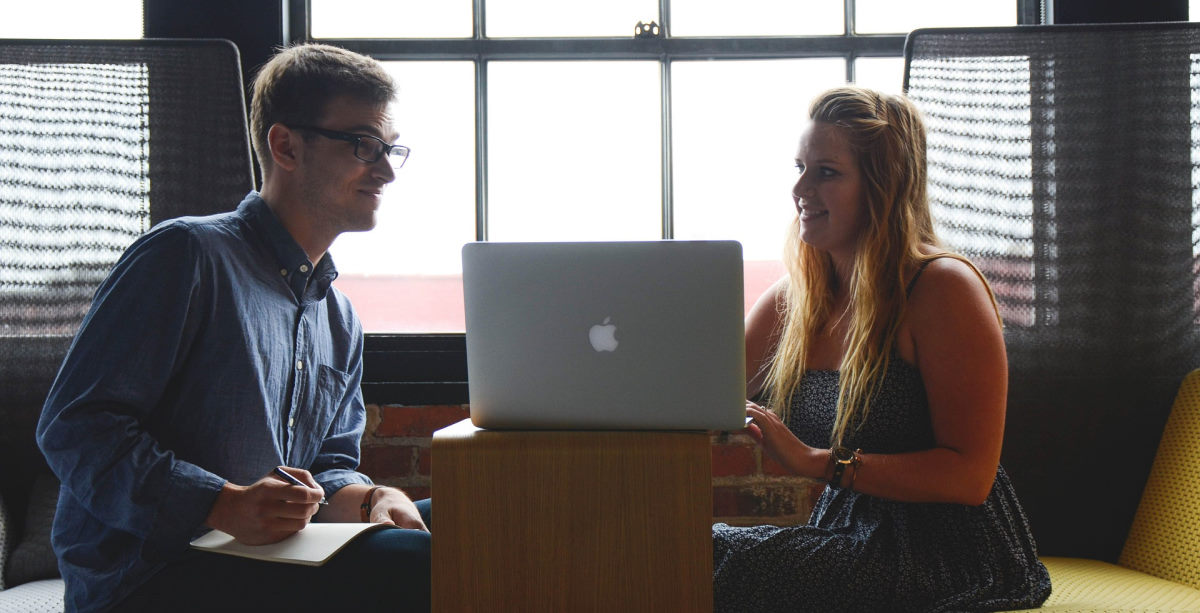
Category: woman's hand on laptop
[783,446]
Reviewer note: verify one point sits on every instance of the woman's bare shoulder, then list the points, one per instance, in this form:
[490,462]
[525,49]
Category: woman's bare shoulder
[949,283]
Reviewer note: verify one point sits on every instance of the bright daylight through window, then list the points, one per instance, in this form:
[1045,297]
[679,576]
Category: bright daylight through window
[573,146]
[553,141]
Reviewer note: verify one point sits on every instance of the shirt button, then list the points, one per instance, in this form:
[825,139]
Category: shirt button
[291,422]
[283,272]
[299,364]
[304,268]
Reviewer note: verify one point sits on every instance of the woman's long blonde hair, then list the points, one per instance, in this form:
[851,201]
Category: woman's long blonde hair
[887,137]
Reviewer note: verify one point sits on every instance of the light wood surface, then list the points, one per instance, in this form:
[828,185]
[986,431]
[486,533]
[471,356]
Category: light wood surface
[571,521]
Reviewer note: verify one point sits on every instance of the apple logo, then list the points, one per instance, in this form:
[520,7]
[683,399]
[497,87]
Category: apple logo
[603,336]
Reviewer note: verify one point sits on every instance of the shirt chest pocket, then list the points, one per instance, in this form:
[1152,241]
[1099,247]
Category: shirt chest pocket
[317,419]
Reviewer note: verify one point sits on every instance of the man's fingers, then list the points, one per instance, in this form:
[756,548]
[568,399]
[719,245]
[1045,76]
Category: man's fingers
[280,489]
[284,500]
[291,510]
[294,494]
[302,475]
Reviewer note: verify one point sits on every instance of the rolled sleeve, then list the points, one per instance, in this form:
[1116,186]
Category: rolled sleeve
[185,504]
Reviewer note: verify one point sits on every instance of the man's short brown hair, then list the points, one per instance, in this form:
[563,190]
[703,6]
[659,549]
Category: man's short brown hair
[295,85]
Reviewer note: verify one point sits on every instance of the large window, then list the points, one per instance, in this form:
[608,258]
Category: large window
[535,120]
[71,19]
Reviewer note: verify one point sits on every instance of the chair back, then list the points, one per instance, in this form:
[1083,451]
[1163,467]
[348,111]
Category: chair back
[99,140]
[1164,540]
[1064,161]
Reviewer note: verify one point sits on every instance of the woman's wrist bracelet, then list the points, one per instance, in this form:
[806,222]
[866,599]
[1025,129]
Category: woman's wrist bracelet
[835,479]
[843,457]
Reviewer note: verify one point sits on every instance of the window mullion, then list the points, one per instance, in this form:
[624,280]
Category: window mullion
[481,150]
[478,12]
[668,192]
[478,15]
[668,173]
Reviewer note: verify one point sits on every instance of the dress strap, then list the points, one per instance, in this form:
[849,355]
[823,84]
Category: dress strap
[921,269]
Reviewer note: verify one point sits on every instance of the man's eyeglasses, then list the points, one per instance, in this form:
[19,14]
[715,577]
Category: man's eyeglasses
[366,147]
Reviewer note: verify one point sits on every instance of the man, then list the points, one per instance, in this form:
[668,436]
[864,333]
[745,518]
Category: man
[217,351]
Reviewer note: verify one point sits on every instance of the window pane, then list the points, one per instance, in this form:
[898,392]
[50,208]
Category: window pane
[891,16]
[406,274]
[391,19]
[735,127]
[885,74]
[756,17]
[536,18]
[574,151]
[72,19]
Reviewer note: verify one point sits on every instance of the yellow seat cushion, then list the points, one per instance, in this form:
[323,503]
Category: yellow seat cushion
[1089,586]
[1160,564]
[1164,539]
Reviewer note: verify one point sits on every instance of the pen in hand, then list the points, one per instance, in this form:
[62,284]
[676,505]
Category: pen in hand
[294,481]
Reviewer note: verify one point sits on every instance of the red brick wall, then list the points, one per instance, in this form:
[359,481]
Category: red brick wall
[748,487]
[396,444]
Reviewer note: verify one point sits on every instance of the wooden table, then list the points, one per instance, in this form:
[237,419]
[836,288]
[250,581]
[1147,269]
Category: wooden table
[571,521]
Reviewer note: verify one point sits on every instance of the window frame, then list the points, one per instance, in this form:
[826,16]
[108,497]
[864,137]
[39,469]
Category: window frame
[431,368]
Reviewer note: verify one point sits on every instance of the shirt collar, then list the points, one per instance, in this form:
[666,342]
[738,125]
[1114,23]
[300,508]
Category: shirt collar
[291,261]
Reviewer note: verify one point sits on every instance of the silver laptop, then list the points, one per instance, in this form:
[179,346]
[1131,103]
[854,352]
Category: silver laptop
[605,335]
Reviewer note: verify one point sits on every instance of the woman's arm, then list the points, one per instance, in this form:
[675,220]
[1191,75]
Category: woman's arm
[958,346]
[762,335]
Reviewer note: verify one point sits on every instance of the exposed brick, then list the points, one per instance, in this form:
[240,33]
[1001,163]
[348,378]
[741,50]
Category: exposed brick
[387,461]
[733,460]
[424,461]
[732,438]
[417,492]
[756,501]
[418,421]
[724,502]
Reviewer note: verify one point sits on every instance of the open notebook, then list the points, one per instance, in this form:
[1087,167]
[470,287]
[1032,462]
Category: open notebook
[312,546]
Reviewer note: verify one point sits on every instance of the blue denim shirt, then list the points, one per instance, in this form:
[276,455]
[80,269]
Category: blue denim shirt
[213,351]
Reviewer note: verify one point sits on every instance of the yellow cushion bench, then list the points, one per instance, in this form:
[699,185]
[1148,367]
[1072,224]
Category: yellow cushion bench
[1159,567]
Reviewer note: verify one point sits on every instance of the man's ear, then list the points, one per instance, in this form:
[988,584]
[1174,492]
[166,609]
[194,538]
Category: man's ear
[285,145]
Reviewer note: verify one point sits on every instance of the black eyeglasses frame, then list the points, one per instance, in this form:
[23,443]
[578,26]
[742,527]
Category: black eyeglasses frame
[385,148]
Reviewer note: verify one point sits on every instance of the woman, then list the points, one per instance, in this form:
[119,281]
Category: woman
[882,364]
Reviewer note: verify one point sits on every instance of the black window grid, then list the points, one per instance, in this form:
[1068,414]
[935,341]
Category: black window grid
[434,365]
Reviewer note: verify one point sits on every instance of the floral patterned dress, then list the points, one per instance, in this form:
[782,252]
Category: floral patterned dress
[862,553]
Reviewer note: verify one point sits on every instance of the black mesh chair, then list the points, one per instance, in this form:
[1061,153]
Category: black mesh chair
[99,140]
[1065,161]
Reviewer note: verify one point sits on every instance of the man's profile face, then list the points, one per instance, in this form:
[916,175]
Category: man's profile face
[341,191]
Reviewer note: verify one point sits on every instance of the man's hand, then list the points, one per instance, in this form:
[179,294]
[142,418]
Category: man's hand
[268,511]
[392,506]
